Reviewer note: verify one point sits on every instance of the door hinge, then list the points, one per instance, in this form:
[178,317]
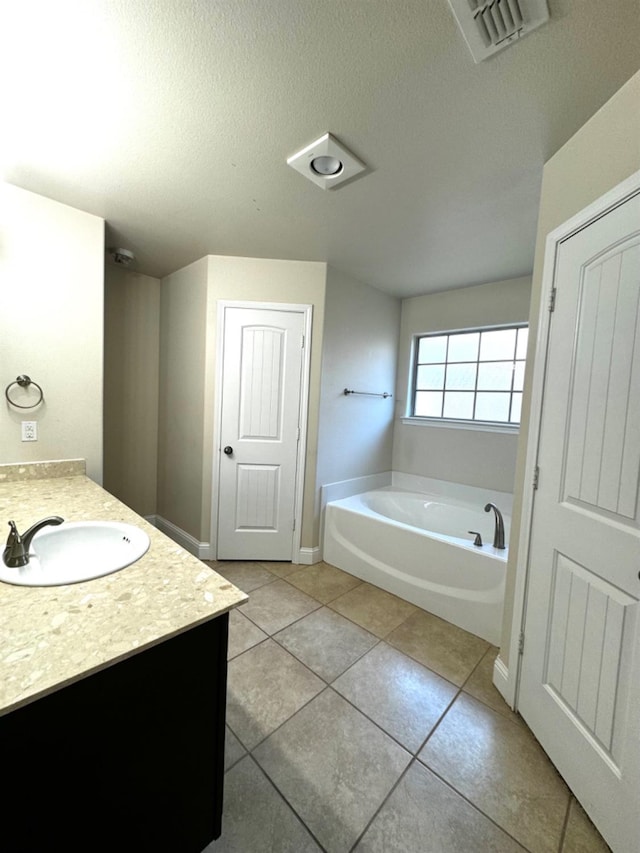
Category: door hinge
[302,344]
[298,435]
[521,643]
[536,477]
[294,524]
[552,299]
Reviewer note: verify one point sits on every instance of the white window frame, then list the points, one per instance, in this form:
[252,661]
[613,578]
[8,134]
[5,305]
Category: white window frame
[453,423]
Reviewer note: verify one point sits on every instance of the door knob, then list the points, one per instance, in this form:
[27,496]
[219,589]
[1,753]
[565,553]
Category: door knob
[228,450]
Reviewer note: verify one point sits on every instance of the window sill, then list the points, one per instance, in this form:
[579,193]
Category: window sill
[475,426]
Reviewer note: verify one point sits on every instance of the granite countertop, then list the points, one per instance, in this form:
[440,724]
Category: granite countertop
[52,636]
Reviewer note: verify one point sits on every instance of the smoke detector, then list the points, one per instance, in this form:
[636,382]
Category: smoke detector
[122,257]
[326,162]
[491,25]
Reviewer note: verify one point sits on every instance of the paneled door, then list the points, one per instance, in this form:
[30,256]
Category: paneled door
[260,429]
[580,675]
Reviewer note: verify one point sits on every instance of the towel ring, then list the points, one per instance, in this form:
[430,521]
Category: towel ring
[24,381]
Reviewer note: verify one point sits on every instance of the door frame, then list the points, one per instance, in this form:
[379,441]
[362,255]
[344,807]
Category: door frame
[508,679]
[307,313]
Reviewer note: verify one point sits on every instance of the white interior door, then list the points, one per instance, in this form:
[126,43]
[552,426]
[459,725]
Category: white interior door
[259,434]
[580,675]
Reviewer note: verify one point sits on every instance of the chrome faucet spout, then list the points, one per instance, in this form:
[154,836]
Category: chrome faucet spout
[16,552]
[498,536]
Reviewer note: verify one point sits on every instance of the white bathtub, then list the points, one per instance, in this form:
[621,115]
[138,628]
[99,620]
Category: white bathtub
[416,545]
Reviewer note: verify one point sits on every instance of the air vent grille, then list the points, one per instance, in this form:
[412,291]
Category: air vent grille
[492,25]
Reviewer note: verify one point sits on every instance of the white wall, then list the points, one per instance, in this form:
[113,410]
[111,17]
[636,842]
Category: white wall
[131,376]
[51,326]
[604,152]
[360,350]
[469,456]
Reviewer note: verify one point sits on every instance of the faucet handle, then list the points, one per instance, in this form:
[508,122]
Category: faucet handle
[14,536]
[478,540]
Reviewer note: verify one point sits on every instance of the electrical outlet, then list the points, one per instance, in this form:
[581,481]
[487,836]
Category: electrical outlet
[29,430]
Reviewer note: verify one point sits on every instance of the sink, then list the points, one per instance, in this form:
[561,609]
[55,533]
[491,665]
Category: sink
[78,551]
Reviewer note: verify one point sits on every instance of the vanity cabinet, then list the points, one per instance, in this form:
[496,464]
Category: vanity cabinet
[127,758]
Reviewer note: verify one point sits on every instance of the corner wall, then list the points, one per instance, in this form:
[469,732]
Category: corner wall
[51,327]
[602,154]
[131,378]
[183,330]
[360,350]
[469,456]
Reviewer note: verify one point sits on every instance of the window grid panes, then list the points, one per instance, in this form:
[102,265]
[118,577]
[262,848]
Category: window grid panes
[476,375]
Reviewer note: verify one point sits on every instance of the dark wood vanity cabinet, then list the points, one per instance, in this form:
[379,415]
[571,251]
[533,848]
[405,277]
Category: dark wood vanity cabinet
[130,758]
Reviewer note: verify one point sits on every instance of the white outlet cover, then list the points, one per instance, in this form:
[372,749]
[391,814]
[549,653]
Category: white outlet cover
[29,430]
[326,146]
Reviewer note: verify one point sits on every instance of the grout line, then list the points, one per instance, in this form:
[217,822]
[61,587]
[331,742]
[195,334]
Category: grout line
[285,801]
[474,806]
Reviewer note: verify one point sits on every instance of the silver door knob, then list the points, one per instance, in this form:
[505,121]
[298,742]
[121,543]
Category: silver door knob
[228,450]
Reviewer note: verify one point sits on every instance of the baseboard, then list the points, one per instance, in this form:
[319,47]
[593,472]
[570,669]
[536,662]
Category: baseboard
[201,550]
[502,683]
[309,556]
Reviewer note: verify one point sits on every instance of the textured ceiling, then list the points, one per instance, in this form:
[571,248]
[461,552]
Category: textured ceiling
[173,120]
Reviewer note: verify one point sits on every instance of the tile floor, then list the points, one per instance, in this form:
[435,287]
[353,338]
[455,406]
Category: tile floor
[357,721]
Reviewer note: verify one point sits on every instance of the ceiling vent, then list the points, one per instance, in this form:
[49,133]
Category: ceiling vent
[493,25]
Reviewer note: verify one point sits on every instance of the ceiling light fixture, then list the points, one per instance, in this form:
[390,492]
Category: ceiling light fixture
[326,162]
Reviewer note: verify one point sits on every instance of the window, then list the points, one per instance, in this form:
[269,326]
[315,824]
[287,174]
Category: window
[475,375]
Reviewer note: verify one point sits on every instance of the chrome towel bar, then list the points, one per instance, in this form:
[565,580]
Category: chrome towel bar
[385,394]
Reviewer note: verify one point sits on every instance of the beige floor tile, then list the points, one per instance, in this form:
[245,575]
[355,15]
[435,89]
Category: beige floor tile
[500,768]
[443,647]
[374,609]
[403,697]
[581,836]
[246,576]
[480,685]
[243,634]
[334,767]
[323,581]
[256,819]
[282,570]
[278,604]
[423,814]
[326,642]
[265,686]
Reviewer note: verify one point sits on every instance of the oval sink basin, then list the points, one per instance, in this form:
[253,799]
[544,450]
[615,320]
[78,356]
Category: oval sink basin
[78,551]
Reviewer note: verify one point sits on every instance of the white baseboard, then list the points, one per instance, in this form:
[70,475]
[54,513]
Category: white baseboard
[502,683]
[202,550]
[309,556]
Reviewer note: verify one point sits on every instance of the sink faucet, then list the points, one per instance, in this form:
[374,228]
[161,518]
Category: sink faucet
[16,552]
[498,536]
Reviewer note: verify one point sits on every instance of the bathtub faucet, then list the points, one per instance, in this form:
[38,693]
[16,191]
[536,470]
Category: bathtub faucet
[498,536]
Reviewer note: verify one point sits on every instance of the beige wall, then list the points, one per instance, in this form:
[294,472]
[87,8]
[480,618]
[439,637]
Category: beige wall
[260,280]
[183,331]
[188,352]
[360,350]
[51,326]
[131,375]
[472,457]
[601,154]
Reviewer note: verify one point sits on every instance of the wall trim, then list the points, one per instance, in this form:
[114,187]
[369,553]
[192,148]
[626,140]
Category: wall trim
[501,681]
[309,556]
[201,550]
[306,310]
